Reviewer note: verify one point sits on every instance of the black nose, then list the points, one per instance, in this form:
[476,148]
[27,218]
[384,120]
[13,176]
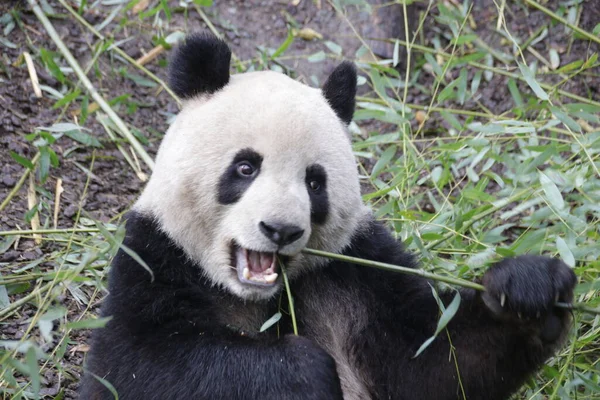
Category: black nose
[281,234]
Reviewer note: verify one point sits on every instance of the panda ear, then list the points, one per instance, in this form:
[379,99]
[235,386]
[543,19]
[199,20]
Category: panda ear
[340,90]
[200,65]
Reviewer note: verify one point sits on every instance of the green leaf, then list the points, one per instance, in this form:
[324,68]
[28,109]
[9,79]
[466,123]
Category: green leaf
[44,164]
[204,3]
[140,80]
[571,66]
[83,138]
[529,77]
[334,47]
[270,322]
[91,323]
[66,99]
[514,92]
[396,54]
[461,90]
[106,383]
[565,252]
[552,193]
[4,299]
[464,39]
[21,160]
[447,315]
[451,120]
[318,56]
[51,65]
[384,160]
[565,119]
[33,370]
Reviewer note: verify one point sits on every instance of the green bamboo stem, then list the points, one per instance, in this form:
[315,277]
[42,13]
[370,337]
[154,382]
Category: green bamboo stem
[429,275]
[289,296]
[396,268]
[88,85]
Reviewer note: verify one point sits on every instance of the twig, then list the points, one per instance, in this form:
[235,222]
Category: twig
[563,21]
[429,275]
[88,85]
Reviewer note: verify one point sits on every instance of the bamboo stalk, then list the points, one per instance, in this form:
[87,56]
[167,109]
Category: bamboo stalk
[88,85]
[429,275]
[289,296]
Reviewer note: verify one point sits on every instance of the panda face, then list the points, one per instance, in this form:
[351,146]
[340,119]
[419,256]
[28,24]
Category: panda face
[254,173]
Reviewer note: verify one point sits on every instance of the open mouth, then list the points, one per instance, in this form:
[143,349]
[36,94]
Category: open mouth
[255,267]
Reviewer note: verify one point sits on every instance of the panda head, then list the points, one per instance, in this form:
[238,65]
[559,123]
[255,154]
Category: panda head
[256,166]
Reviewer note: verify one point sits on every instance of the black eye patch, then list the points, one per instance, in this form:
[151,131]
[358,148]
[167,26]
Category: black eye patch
[236,179]
[316,184]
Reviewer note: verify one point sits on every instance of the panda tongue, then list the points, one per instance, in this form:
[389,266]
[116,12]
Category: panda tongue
[259,262]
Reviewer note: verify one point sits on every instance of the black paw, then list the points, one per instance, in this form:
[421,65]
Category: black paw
[526,287]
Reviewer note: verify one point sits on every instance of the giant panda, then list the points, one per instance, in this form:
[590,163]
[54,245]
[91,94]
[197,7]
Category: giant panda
[256,167]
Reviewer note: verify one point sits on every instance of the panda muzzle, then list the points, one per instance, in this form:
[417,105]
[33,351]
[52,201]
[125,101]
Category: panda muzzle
[256,267]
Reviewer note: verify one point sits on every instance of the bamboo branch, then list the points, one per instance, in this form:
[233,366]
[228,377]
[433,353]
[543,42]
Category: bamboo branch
[429,275]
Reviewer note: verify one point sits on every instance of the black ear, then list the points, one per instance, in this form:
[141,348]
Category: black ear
[340,90]
[200,65]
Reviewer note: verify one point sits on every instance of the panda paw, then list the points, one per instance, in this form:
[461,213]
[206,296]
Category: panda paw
[524,290]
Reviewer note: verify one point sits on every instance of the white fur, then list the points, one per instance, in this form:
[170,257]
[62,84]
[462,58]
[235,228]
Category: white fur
[292,126]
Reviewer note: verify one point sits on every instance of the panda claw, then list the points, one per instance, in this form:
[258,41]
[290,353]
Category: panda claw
[502,299]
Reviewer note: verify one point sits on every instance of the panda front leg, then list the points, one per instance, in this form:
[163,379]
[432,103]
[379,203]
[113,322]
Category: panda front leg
[493,344]
[200,365]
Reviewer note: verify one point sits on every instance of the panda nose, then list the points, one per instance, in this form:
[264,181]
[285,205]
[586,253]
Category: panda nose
[281,234]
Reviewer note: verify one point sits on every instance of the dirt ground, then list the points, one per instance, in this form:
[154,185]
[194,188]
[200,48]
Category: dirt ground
[246,24]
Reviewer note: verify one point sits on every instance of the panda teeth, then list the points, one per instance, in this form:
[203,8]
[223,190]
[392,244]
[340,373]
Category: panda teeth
[270,278]
[246,273]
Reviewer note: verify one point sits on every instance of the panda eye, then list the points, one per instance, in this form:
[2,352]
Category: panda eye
[245,169]
[314,185]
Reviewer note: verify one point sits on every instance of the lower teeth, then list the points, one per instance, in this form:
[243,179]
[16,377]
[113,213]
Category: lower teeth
[264,279]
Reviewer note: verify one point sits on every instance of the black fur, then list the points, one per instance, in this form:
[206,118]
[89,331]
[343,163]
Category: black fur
[231,185]
[340,91]
[200,65]
[169,337]
[319,200]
